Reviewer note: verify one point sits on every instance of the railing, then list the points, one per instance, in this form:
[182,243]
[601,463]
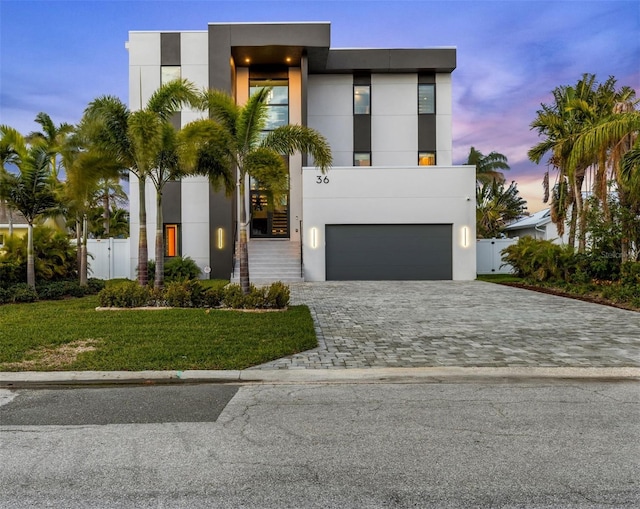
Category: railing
[301,250]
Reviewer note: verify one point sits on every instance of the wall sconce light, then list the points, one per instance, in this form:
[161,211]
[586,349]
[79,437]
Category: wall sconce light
[465,236]
[314,238]
[220,238]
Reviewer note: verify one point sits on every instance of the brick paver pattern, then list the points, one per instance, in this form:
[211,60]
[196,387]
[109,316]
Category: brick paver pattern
[449,323]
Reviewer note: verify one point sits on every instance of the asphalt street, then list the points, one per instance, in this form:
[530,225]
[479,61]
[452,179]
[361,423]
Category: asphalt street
[498,443]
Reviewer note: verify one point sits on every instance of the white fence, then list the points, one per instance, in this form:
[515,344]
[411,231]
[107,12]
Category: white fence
[109,258]
[488,257]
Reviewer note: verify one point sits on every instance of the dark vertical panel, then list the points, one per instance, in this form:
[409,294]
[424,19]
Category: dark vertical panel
[170,49]
[362,133]
[172,202]
[427,123]
[362,123]
[426,133]
[219,57]
[304,81]
[221,207]
[400,252]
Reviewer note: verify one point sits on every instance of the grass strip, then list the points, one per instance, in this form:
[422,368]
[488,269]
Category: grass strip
[132,340]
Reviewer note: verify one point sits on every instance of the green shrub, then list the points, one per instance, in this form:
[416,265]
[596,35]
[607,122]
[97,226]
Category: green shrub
[180,269]
[95,285]
[256,298]
[184,294]
[277,296]
[232,296]
[630,273]
[212,297]
[22,292]
[540,260]
[5,295]
[55,258]
[51,291]
[12,272]
[127,294]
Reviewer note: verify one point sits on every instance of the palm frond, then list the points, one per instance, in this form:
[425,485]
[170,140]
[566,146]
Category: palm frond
[172,97]
[289,139]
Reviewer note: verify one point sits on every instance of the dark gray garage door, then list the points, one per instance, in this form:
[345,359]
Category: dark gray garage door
[388,252]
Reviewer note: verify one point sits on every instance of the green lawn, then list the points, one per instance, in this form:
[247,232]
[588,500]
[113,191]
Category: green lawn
[53,334]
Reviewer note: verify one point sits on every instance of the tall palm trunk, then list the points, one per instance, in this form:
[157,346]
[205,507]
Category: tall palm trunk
[242,244]
[83,254]
[158,282]
[143,250]
[79,245]
[580,212]
[107,213]
[31,269]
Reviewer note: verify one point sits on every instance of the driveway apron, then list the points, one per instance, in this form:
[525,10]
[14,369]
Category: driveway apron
[450,323]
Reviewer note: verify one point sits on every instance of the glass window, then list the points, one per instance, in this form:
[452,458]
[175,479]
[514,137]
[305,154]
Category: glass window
[362,158]
[169,73]
[426,98]
[277,101]
[171,240]
[426,158]
[1,239]
[362,99]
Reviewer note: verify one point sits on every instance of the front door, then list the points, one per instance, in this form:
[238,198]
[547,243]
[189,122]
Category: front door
[269,215]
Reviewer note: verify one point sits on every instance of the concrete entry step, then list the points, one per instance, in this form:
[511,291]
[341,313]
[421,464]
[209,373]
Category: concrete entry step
[270,261]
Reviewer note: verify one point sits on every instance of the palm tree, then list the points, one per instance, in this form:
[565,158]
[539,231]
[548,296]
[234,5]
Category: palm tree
[496,207]
[13,150]
[560,123]
[53,137]
[31,193]
[232,139]
[134,140]
[487,167]
[613,140]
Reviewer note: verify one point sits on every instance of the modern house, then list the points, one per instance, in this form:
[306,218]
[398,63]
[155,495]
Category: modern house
[392,207]
[538,226]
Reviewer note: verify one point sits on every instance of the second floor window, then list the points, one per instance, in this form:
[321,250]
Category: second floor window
[426,98]
[169,73]
[362,99]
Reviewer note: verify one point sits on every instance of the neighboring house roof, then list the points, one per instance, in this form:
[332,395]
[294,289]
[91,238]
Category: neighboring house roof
[533,221]
[16,217]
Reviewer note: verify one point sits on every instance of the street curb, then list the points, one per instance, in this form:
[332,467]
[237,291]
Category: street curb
[355,375]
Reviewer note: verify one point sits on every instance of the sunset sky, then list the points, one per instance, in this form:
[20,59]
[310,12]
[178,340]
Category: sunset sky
[56,56]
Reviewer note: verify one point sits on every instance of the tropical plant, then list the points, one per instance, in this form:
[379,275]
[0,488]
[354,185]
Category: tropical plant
[135,141]
[496,207]
[53,138]
[12,150]
[589,128]
[31,193]
[540,260]
[488,166]
[54,256]
[233,139]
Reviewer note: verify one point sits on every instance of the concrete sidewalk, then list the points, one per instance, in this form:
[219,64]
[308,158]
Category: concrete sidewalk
[356,375]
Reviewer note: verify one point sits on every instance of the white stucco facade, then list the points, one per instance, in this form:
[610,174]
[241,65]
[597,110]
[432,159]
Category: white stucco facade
[391,195]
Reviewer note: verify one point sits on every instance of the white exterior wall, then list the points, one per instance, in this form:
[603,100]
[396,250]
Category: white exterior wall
[444,126]
[390,195]
[394,119]
[194,55]
[330,111]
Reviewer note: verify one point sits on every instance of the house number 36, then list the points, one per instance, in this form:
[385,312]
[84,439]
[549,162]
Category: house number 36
[322,180]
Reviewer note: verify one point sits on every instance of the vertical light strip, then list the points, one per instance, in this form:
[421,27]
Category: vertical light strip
[220,238]
[314,238]
[465,236]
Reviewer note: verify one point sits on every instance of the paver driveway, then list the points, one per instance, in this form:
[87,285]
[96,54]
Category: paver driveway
[451,323]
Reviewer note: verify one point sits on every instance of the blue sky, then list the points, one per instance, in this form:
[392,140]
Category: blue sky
[56,56]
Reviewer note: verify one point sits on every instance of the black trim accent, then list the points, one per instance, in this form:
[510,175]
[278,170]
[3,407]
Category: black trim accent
[170,48]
